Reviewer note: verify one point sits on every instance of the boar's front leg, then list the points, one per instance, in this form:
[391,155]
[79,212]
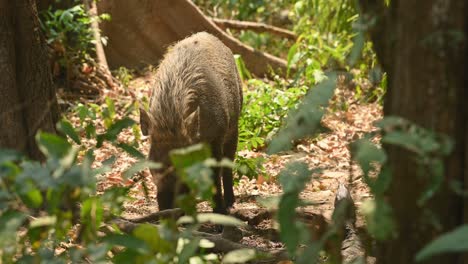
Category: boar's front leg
[166,190]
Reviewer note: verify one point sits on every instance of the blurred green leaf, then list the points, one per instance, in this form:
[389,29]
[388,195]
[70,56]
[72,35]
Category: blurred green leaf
[218,219]
[114,130]
[43,221]
[188,251]
[111,107]
[139,166]
[52,145]
[243,71]
[7,155]
[32,198]
[92,215]
[455,241]
[127,241]
[182,158]
[305,121]
[131,150]
[66,127]
[379,218]
[239,256]
[293,179]
[151,235]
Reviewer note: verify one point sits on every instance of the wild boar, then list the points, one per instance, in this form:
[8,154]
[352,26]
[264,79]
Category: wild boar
[197,97]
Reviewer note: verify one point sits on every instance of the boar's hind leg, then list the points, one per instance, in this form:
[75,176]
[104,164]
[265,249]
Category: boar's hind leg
[220,207]
[230,148]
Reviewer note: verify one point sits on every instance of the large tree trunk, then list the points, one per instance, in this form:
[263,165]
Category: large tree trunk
[423,47]
[140,32]
[27,101]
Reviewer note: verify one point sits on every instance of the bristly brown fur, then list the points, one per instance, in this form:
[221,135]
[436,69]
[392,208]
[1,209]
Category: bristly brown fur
[197,97]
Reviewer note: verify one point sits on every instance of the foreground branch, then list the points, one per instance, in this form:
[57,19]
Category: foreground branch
[253,26]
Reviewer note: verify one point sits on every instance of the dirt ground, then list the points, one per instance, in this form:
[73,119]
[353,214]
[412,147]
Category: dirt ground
[328,151]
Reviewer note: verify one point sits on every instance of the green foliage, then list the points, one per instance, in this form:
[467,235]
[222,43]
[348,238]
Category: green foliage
[430,150]
[239,256]
[455,241]
[245,9]
[41,204]
[124,75]
[250,167]
[69,32]
[56,188]
[88,116]
[265,107]
[306,119]
[293,179]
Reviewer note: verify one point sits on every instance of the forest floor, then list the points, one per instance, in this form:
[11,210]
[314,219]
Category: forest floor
[328,151]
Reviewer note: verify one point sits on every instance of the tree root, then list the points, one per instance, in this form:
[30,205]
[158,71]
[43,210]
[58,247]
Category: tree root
[155,217]
[254,26]
[141,32]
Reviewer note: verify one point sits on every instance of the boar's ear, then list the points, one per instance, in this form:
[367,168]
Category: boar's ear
[145,121]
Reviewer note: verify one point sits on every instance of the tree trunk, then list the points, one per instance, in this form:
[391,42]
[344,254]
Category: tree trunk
[91,9]
[141,31]
[423,47]
[28,102]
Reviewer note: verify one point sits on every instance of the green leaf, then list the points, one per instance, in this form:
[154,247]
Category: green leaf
[131,150]
[32,198]
[289,233]
[305,121]
[379,218]
[7,155]
[240,256]
[294,176]
[183,158]
[293,180]
[243,71]
[127,241]
[11,220]
[356,52]
[199,177]
[292,58]
[367,154]
[52,145]
[43,221]
[90,130]
[188,250]
[110,107]
[66,127]
[150,234]
[219,219]
[139,166]
[114,130]
[455,241]
[92,213]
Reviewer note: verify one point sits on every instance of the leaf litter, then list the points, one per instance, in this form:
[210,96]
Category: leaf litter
[328,151]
